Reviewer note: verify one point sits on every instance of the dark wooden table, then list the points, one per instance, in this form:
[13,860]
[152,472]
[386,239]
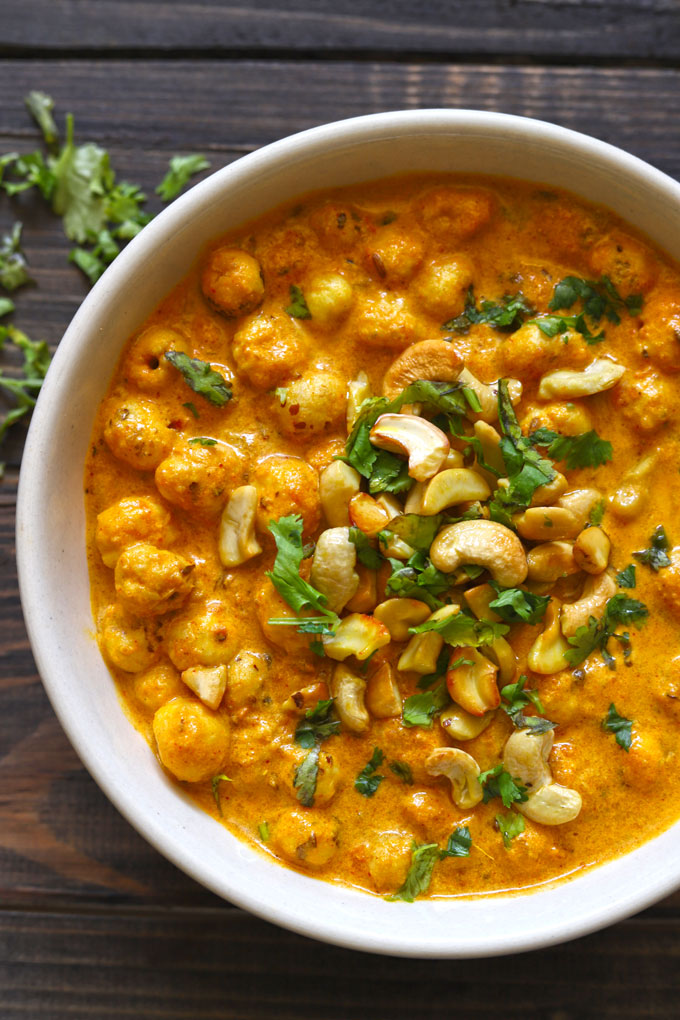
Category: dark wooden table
[93,922]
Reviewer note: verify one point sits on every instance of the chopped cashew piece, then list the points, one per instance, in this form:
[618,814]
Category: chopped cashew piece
[400,614]
[305,698]
[333,572]
[478,599]
[542,523]
[591,550]
[414,499]
[337,484]
[600,375]
[237,542]
[501,653]
[485,544]
[630,497]
[550,561]
[422,651]
[425,445]
[383,700]
[358,391]
[366,596]
[525,757]
[546,494]
[579,502]
[349,692]
[429,359]
[471,681]
[597,591]
[367,514]
[208,682]
[357,635]
[452,486]
[548,652]
[462,771]
[460,725]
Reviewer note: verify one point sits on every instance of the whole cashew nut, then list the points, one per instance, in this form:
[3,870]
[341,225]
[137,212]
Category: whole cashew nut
[597,591]
[485,544]
[461,769]
[429,359]
[333,572]
[349,692]
[525,757]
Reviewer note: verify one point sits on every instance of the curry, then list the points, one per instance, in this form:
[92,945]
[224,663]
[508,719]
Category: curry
[380,535]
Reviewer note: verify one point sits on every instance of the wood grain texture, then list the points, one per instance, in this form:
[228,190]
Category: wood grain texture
[542,29]
[93,922]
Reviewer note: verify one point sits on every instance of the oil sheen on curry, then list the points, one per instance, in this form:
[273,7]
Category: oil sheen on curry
[381,535]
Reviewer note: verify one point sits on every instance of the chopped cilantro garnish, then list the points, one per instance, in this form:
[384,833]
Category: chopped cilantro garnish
[497,782]
[317,725]
[462,629]
[517,698]
[13,269]
[458,844]
[417,579]
[202,441]
[26,386]
[306,776]
[423,859]
[180,170]
[215,787]
[367,782]
[621,727]
[285,575]
[510,826]
[515,605]
[585,450]
[596,633]
[297,308]
[596,515]
[419,709]
[366,554]
[263,829]
[506,315]
[200,377]
[626,577]
[402,771]
[656,556]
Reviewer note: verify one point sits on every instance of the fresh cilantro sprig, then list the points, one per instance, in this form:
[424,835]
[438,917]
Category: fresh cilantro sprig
[420,709]
[200,377]
[497,782]
[584,450]
[517,698]
[461,629]
[424,856]
[25,385]
[620,609]
[516,605]
[656,556]
[13,268]
[368,780]
[180,171]
[621,727]
[417,579]
[285,575]
[557,325]
[366,553]
[507,315]
[598,298]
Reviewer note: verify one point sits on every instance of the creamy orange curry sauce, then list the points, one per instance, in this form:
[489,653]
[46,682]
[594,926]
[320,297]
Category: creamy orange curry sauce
[380,526]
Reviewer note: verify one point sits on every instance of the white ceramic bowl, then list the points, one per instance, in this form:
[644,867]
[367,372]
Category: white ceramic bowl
[51,545]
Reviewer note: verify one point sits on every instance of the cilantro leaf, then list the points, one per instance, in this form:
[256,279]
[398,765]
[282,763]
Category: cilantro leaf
[515,605]
[317,725]
[423,859]
[215,787]
[6,306]
[389,474]
[497,782]
[40,107]
[416,530]
[458,844]
[584,450]
[419,709]
[620,608]
[510,826]
[13,269]
[583,642]
[506,315]
[517,699]
[180,170]
[462,629]
[26,386]
[367,782]
[202,441]
[621,727]
[526,469]
[417,579]
[366,554]
[596,515]
[306,776]
[558,325]
[297,308]
[200,377]
[285,575]
[656,556]
[598,298]
[83,176]
[626,577]
[402,771]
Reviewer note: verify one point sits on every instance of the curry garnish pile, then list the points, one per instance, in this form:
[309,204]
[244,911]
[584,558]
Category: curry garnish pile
[380,525]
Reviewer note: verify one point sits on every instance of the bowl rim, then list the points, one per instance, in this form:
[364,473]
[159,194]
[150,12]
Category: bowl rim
[598,912]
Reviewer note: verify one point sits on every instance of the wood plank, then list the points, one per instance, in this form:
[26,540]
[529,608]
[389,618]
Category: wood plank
[222,964]
[642,29]
[60,840]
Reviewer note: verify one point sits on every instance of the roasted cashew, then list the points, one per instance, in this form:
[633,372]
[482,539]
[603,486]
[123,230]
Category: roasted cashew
[591,550]
[208,682]
[488,395]
[237,542]
[400,614]
[337,484]
[382,694]
[631,496]
[597,591]
[425,445]
[453,486]
[598,376]
[429,359]
[358,391]
[547,654]
[333,572]
[525,757]
[485,544]
[542,523]
[357,635]
[461,769]
[460,725]
[422,651]
[550,561]
[579,502]
[349,692]
[472,684]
